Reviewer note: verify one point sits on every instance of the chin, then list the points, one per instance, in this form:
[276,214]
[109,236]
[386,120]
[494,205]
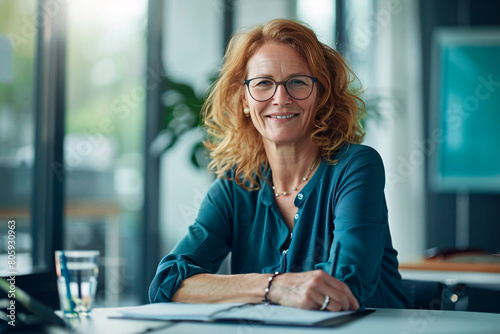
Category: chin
[283,140]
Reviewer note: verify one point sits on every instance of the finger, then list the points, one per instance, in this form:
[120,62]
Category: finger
[343,289]
[334,306]
[337,302]
[339,298]
[336,290]
[318,299]
[353,302]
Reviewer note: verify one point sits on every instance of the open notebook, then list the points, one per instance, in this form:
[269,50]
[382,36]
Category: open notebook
[260,313]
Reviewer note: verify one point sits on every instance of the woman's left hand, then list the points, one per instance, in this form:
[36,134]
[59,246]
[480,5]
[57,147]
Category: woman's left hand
[308,290]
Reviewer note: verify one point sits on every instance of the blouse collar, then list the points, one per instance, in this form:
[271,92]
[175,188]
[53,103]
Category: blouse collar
[267,193]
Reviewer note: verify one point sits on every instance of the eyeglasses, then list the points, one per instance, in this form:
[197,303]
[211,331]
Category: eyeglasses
[298,87]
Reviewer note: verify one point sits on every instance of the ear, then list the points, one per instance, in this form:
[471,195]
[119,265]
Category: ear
[244,101]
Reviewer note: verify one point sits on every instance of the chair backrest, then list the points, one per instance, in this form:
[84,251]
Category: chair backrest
[431,295]
[426,295]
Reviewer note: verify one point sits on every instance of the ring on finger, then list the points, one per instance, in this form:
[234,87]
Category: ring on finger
[325,303]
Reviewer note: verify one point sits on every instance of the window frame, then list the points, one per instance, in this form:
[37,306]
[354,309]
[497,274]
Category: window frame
[47,197]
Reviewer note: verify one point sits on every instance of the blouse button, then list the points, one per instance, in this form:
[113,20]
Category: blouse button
[300,196]
[296,216]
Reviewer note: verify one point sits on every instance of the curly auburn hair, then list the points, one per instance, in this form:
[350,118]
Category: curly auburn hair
[233,141]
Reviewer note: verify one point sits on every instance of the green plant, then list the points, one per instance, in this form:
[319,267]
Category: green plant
[182,110]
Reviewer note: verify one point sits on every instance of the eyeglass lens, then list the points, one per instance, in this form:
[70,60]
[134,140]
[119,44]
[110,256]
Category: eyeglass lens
[298,87]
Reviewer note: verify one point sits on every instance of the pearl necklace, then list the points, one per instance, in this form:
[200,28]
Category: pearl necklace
[285,193]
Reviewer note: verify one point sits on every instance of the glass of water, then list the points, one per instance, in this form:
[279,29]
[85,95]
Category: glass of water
[77,281]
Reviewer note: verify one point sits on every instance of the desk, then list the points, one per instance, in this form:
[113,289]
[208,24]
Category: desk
[435,265]
[485,275]
[384,321]
[467,286]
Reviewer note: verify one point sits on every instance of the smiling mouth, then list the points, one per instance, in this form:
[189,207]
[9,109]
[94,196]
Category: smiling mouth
[282,117]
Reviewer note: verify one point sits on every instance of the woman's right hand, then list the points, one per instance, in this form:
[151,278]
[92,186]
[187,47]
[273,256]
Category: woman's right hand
[309,289]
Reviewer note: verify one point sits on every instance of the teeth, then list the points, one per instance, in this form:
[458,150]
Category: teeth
[283,117]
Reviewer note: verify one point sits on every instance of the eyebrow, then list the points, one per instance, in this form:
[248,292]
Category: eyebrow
[272,77]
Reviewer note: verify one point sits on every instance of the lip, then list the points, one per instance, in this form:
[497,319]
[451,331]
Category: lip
[281,116]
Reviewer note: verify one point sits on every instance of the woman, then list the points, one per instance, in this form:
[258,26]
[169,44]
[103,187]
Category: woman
[293,182]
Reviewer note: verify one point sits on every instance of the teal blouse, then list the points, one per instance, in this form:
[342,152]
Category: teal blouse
[342,203]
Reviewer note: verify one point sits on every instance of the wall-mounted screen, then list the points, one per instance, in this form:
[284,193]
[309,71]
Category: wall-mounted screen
[465,114]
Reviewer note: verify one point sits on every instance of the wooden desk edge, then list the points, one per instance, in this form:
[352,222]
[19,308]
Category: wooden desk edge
[451,266]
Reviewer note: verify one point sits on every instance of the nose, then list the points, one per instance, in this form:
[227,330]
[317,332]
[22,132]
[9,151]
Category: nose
[281,96]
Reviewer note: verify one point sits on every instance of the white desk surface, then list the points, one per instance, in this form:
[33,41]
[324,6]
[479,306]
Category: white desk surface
[384,321]
[480,279]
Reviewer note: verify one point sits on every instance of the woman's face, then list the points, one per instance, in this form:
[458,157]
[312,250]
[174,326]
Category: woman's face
[281,119]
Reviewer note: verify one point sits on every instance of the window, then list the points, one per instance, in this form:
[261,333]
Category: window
[106,92]
[17,72]
[73,72]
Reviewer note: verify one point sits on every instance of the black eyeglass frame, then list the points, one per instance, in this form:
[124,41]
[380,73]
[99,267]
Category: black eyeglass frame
[277,83]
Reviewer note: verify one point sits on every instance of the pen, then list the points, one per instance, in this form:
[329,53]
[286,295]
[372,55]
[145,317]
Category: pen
[333,268]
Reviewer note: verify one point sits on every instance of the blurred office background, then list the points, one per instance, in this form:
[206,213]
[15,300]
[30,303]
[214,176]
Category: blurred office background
[96,137]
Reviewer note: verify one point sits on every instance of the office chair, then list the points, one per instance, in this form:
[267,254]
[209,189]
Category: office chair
[427,295]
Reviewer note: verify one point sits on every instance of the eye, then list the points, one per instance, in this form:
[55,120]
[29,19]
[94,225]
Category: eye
[262,83]
[297,82]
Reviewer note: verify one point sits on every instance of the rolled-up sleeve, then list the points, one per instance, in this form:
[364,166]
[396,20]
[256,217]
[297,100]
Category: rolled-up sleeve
[202,250]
